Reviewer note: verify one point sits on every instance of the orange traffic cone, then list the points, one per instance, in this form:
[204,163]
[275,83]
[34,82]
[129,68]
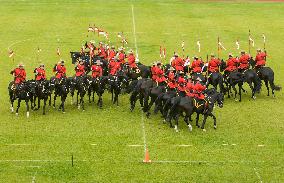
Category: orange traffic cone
[147,157]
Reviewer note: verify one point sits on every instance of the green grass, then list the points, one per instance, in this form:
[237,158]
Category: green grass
[57,136]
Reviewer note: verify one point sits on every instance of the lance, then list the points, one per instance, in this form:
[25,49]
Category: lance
[182,46]
[263,36]
[249,41]
[207,67]
[218,47]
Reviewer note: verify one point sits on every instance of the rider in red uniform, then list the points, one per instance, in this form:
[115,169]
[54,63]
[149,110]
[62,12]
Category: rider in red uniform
[131,60]
[189,88]
[97,70]
[80,69]
[198,91]
[244,61]
[172,84]
[213,65]
[160,74]
[19,74]
[40,73]
[121,56]
[196,65]
[153,71]
[232,64]
[181,84]
[178,63]
[60,70]
[260,59]
[111,53]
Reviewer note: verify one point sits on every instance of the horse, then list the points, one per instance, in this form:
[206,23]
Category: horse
[163,102]
[136,92]
[267,75]
[42,93]
[216,79]
[232,79]
[61,89]
[98,85]
[81,84]
[116,84]
[254,82]
[21,92]
[189,105]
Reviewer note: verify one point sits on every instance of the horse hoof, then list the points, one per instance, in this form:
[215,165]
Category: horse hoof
[254,97]
[63,112]
[190,127]
[215,127]
[12,109]
[236,100]
[204,130]
[17,114]
[28,114]
[83,110]
[273,96]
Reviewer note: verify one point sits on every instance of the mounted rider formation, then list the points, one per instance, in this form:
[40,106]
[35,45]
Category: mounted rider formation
[180,87]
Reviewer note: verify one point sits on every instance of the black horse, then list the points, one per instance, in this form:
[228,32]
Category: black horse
[267,75]
[116,84]
[81,84]
[189,105]
[136,92]
[42,93]
[61,89]
[216,79]
[98,85]
[21,92]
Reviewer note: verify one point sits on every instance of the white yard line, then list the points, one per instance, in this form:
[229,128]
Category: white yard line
[18,144]
[257,174]
[37,160]
[136,48]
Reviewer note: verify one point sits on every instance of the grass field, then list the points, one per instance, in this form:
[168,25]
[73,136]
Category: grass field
[248,145]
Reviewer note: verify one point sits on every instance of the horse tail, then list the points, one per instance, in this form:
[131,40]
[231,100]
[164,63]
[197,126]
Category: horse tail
[276,87]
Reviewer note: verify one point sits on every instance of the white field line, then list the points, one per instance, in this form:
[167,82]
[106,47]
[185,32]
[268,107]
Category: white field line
[205,162]
[136,48]
[135,145]
[257,174]
[184,145]
[37,160]
[18,144]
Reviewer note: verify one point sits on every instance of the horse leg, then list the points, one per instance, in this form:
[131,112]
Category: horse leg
[240,92]
[12,105]
[267,87]
[204,121]
[49,102]
[176,125]
[19,104]
[62,103]
[132,101]
[197,119]
[77,101]
[235,90]
[272,87]
[54,99]
[252,90]
[44,104]
[149,107]
[101,101]
[38,103]
[82,102]
[215,121]
[27,106]
[187,123]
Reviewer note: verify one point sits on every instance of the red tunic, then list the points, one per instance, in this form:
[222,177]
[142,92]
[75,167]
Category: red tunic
[214,65]
[121,57]
[244,61]
[102,52]
[114,67]
[181,84]
[40,74]
[131,61]
[196,65]
[178,64]
[260,59]
[97,71]
[198,91]
[153,71]
[231,64]
[189,89]
[111,54]
[160,75]
[60,71]
[19,75]
[80,70]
